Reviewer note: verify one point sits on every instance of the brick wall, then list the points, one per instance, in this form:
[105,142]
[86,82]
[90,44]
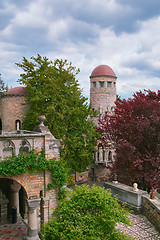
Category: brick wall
[102,96]
[151,209]
[0,108]
[13,109]
[36,183]
[101,173]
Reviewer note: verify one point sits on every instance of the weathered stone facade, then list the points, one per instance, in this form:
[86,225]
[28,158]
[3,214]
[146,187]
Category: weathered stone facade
[27,193]
[13,109]
[102,98]
[151,209]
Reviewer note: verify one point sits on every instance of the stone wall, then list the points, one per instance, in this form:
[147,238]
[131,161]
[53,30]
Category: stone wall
[139,200]
[151,209]
[101,173]
[13,109]
[1,108]
[35,186]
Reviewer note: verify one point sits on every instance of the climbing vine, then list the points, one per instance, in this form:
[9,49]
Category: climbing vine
[34,162]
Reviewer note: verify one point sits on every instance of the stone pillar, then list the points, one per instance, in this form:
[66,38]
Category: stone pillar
[105,156]
[32,231]
[14,196]
[96,157]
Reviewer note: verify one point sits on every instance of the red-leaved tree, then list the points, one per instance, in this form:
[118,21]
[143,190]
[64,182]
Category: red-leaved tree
[134,131]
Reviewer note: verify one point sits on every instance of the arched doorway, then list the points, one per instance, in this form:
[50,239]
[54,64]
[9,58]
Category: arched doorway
[12,197]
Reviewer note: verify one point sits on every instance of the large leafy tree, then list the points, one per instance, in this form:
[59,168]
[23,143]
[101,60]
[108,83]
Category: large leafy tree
[134,131]
[54,91]
[87,213]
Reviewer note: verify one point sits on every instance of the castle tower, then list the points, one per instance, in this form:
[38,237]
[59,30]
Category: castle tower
[102,89]
[13,109]
[102,98]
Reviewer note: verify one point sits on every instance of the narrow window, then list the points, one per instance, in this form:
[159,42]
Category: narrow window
[109,84]
[100,153]
[94,84]
[18,125]
[24,146]
[110,156]
[101,84]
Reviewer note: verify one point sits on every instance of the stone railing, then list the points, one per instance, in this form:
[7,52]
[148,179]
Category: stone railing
[126,194]
[151,209]
[138,200]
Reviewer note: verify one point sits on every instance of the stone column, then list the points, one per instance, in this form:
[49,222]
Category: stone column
[14,196]
[32,231]
[105,158]
[96,157]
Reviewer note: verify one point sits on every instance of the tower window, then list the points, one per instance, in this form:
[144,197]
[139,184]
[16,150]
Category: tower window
[101,84]
[18,124]
[110,156]
[109,84]
[94,84]
[114,84]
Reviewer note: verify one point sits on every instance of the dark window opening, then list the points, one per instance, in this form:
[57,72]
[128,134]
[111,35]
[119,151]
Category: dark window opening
[94,84]
[110,156]
[109,84]
[18,125]
[101,84]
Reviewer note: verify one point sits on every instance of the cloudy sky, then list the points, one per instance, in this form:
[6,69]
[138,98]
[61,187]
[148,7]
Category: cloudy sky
[124,34]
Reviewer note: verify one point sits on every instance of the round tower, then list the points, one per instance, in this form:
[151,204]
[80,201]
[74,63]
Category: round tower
[13,109]
[102,89]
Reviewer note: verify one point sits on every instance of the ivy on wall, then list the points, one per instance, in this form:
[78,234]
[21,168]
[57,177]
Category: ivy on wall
[34,162]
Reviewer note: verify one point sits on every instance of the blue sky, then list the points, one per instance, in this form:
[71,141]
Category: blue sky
[124,34]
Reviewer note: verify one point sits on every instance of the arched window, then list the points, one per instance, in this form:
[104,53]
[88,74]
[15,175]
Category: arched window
[110,156]
[94,84]
[100,153]
[101,83]
[8,148]
[24,146]
[18,125]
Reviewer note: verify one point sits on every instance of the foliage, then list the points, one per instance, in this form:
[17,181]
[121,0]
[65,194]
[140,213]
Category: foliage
[3,87]
[134,130]
[34,162]
[87,213]
[54,92]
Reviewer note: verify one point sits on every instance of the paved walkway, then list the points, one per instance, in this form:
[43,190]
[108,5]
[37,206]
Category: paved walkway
[13,231]
[141,229]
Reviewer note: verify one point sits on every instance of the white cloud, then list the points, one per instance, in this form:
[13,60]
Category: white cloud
[87,33]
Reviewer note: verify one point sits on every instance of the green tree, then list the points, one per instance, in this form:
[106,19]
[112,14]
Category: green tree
[86,214]
[54,91]
[3,87]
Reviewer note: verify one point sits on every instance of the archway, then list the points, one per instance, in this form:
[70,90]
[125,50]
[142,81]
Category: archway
[12,197]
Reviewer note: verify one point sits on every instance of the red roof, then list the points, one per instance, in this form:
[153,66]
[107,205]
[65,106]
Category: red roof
[17,91]
[103,70]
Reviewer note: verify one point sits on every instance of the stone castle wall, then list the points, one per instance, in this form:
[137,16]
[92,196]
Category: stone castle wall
[151,209]
[13,108]
[103,96]
[35,187]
